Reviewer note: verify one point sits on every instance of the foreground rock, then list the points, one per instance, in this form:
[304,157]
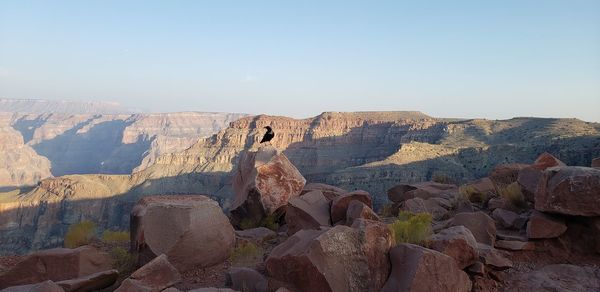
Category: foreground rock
[457,242]
[480,224]
[157,275]
[91,282]
[339,205]
[530,176]
[191,230]
[415,268]
[309,211]
[264,182]
[56,264]
[558,278]
[246,280]
[569,190]
[542,225]
[341,258]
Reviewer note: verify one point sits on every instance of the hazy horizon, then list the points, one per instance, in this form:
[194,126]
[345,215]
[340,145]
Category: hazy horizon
[462,59]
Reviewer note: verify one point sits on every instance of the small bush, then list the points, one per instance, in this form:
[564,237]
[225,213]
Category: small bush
[270,221]
[246,254]
[123,260]
[513,194]
[115,236]
[411,228]
[471,194]
[79,234]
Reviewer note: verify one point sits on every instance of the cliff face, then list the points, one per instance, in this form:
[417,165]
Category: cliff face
[371,151]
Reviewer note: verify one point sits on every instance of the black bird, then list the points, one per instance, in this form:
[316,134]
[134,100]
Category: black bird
[268,135]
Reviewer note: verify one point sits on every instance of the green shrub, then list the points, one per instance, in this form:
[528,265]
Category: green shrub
[513,194]
[123,260]
[79,234]
[411,228]
[246,254]
[270,221]
[471,194]
[115,236]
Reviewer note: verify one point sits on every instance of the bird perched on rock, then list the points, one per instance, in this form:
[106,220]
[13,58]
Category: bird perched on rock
[268,135]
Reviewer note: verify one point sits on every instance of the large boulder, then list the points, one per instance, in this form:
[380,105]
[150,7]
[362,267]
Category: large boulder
[431,206]
[423,190]
[330,192]
[505,218]
[156,275]
[191,230]
[415,268]
[560,277]
[265,180]
[340,258]
[91,282]
[339,205]
[506,174]
[497,259]
[569,190]
[542,225]
[309,211]
[530,176]
[457,242]
[358,209]
[56,264]
[480,224]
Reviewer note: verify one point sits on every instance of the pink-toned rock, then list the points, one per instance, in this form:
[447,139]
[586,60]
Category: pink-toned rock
[56,264]
[480,224]
[191,230]
[505,174]
[246,280]
[478,268]
[339,205]
[328,191]
[515,245]
[415,268]
[569,190]
[505,218]
[156,275]
[530,176]
[558,278]
[423,190]
[596,162]
[358,209]
[91,282]
[46,286]
[431,206]
[264,182]
[494,258]
[495,203]
[309,211]
[542,225]
[457,242]
[340,258]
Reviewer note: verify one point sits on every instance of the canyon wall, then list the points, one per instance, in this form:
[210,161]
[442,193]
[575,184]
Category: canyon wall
[372,151]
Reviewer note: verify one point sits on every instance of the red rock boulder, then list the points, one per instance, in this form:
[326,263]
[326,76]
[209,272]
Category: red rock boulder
[542,225]
[569,190]
[191,230]
[358,209]
[330,192]
[309,211]
[156,275]
[93,282]
[264,182]
[480,224]
[457,242]
[340,258]
[506,174]
[339,205]
[56,264]
[415,268]
[530,176]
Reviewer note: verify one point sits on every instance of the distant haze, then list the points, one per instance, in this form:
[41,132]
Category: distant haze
[464,59]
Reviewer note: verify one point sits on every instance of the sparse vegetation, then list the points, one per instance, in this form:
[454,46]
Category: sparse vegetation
[513,194]
[412,228]
[270,221]
[115,236]
[387,210]
[123,260]
[79,234]
[246,254]
[471,194]
[442,178]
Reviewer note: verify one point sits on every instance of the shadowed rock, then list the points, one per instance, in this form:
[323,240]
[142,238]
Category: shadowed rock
[558,278]
[480,224]
[246,280]
[457,242]
[156,275]
[542,225]
[309,211]
[358,209]
[340,204]
[91,282]
[46,286]
[569,190]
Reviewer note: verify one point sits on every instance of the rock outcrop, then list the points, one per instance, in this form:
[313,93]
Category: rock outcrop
[414,268]
[569,190]
[191,230]
[264,182]
[341,258]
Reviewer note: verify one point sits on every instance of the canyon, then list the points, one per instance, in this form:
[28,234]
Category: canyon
[373,151]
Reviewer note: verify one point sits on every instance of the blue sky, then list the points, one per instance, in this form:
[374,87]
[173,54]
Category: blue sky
[489,59]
